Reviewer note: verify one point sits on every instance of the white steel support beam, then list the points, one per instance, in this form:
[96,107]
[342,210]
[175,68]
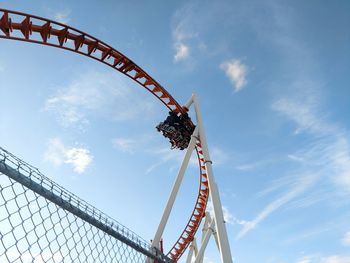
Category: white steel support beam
[193,251]
[224,247]
[206,224]
[216,239]
[207,235]
[212,226]
[175,190]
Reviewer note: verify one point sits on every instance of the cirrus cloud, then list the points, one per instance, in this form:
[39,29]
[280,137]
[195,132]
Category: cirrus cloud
[96,93]
[346,239]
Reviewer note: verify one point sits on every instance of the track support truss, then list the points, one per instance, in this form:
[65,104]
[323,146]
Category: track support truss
[213,226]
[34,29]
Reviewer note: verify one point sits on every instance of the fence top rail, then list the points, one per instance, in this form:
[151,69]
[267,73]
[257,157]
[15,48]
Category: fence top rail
[36,176]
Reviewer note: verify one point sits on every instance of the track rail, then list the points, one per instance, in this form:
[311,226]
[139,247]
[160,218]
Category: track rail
[29,28]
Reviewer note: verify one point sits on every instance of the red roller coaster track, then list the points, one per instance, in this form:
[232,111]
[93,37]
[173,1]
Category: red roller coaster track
[29,28]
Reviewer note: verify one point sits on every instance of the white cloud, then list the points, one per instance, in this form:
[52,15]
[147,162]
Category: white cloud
[330,151]
[295,158]
[228,217]
[306,259]
[97,93]
[255,164]
[218,156]
[125,144]
[327,157]
[236,71]
[299,186]
[335,259]
[182,34]
[57,153]
[346,239]
[175,157]
[182,52]
[62,16]
[207,260]
[303,113]
[324,259]
[80,159]
[313,197]
[166,155]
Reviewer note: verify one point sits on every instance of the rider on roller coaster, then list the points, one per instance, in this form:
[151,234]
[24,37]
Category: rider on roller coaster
[178,128]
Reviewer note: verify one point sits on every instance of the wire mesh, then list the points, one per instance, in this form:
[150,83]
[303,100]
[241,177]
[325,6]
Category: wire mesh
[42,222]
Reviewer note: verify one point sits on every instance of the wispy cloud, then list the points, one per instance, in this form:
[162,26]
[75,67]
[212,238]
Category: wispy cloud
[195,27]
[57,153]
[2,67]
[335,259]
[295,158]
[254,165]
[346,239]
[182,51]
[323,259]
[175,157]
[304,111]
[228,216]
[330,149]
[305,259]
[125,144]
[323,151]
[62,16]
[321,194]
[185,31]
[299,186]
[236,71]
[219,156]
[181,37]
[328,157]
[165,155]
[207,260]
[96,93]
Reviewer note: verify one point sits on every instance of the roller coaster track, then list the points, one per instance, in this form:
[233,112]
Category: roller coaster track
[29,28]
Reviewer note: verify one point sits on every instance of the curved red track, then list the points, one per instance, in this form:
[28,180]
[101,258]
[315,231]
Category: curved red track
[29,28]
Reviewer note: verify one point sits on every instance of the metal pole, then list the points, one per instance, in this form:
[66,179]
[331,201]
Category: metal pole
[224,246]
[206,224]
[173,194]
[208,233]
[193,251]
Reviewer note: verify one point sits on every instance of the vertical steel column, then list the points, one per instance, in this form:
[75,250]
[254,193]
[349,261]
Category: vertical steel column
[207,235]
[174,191]
[224,247]
[193,251]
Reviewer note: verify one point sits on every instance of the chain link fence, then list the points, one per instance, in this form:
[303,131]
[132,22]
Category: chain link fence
[42,222]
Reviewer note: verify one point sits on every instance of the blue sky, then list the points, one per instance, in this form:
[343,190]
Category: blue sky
[273,80]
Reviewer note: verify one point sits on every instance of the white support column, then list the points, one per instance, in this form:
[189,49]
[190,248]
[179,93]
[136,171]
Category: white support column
[206,224]
[208,233]
[173,194]
[193,251]
[216,239]
[224,246]
[216,225]
[189,102]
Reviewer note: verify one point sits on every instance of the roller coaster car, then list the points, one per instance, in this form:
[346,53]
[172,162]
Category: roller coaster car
[178,128]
